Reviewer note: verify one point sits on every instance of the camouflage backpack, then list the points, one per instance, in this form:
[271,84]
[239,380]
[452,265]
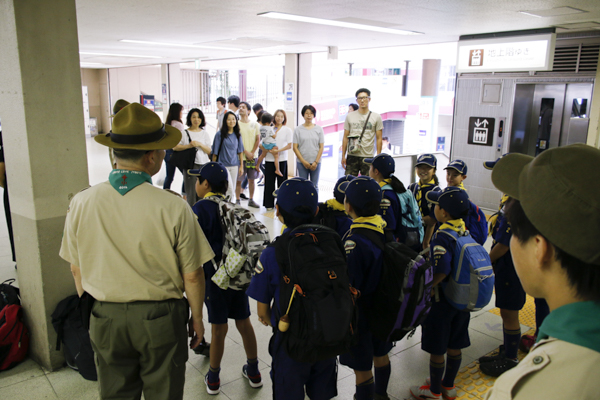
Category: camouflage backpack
[244,234]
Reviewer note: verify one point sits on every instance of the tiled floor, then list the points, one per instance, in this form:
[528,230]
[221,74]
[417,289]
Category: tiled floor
[410,365]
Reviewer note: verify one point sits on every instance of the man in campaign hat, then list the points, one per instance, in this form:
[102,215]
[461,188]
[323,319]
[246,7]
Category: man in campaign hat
[135,249]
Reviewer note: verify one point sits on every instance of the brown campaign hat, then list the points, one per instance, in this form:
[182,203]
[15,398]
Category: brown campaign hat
[558,192]
[119,104]
[138,128]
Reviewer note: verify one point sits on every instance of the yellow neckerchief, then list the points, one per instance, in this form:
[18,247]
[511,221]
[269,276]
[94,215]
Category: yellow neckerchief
[209,194]
[336,205]
[460,185]
[419,196]
[457,225]
[494,218]
[375,223]
[384,182]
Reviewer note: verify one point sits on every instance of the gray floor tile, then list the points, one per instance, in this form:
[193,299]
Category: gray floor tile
[68,384]
[481,344]
[37,388]
[25,371]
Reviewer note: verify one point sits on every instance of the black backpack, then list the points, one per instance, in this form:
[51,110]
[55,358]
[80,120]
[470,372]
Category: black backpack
[71,331]
[327,216]
[9,294]
[323,313]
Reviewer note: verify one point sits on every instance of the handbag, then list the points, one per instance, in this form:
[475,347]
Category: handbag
[229,269]
[184,159]
[354,142]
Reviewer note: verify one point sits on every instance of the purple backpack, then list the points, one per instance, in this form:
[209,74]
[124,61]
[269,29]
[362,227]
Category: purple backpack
[403,296]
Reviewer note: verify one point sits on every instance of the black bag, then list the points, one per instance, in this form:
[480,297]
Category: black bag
[70,331]
[327,216]
[9,294]
[184,159]
[323,314]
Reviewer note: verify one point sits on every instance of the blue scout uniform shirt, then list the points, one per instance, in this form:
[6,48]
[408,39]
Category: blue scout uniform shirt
[232,146]
[342,222]
[210,222]
[442,247]
[502,234]
[419,192]
[391,211]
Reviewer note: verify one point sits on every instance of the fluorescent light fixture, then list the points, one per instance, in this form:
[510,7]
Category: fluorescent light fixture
[530,14]
[115,55]
[553,12]
[178,45]
[89,63]
[330,22]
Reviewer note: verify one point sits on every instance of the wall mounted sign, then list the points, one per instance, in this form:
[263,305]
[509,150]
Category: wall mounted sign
[481,131]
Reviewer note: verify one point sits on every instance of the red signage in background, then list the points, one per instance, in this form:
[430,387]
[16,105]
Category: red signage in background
[327,113]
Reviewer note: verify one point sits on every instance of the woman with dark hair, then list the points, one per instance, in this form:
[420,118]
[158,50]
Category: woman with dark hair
[200,139]
[308,146]
[174,119]
[283,140]
[228,149]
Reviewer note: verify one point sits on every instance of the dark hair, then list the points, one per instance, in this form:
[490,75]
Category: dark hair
[129,154]
[257,107]
[284,116]
[368,210]
[309,107]
[363,90]
[246,104]
[174,113]
[225,128]
[222,100]
[188,120]
[583,277]
[222,188]
[397,185]
[291,221]
[266,118]
[353,106]
[235,100]
[259,114]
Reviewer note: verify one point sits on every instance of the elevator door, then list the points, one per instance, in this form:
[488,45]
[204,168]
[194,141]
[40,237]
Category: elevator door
[549,115]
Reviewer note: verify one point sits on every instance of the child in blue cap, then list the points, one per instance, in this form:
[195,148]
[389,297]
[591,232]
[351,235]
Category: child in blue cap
[222,304]
[332,213]
[365,262]
[426,168]
[296,205]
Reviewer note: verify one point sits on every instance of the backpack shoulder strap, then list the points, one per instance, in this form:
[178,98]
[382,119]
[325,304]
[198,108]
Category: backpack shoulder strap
[372,236]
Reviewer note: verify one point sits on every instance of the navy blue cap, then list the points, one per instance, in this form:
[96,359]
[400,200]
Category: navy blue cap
[490,164]
[458,165]
[297,192]
[361,190]
[453,200]
[427,159]
[339,196]
[215,173]
[384,163]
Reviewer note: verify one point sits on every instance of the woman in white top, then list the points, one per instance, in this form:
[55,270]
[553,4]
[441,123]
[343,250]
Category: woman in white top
[284,143]
[308,146]
[200,139]
[173,119]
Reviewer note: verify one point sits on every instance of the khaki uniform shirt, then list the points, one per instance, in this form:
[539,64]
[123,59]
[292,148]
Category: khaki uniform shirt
[554,369]
[133,247]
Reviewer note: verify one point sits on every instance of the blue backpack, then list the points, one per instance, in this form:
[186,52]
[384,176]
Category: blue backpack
[410,228]
[471,282]
[477,224]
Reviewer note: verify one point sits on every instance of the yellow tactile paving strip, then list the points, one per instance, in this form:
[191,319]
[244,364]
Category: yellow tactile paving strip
[269,214]
[526,315]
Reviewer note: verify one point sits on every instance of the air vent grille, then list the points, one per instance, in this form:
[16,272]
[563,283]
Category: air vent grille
[578,58]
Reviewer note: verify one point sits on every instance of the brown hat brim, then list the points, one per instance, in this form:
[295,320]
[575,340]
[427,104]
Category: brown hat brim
[168,141]
[506,172]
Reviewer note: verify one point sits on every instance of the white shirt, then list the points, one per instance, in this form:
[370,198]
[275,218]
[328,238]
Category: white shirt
[283,138]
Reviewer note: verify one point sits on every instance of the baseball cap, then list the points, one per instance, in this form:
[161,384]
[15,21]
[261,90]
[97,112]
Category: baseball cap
[427,159]
[215,173]
[339,196]
[490,164]
[558,194]
[384,163]
[361,190]
[296,192]
[458,165]
[453,200]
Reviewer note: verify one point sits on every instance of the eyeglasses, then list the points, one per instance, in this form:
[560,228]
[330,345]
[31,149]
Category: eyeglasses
[361,98]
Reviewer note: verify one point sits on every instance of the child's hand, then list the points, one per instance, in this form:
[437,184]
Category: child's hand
[274,135]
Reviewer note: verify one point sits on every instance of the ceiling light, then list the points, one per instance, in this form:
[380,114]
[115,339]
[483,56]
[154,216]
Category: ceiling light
[340,24]
[553,12]
[179,45]
[89,63]
[116,55]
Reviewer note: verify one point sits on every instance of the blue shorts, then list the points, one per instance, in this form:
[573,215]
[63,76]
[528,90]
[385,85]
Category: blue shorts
[509,291]
[225,304]
[360,357]
[290,377]
[445,328]
[269,146]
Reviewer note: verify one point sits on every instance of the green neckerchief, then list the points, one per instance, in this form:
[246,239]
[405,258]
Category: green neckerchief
[124,180]
[457,225]
[576,323]
[375,223]
[334,204]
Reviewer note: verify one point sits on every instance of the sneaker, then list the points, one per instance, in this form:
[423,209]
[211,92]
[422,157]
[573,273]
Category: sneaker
[423,392]
[447,393]
[497,367]
[498,355]
[526,343]
[252,203]
[255,381]
[212,388]
[238,202]
[270,208]
[202,349]
[243,196]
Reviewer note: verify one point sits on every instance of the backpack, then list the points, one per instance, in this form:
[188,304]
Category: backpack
[71,332]
[410,230]
[322,313]
[327,216]
[471,282]
[245,235]
[403,296]
[14,337]
[477,224]
[9,294]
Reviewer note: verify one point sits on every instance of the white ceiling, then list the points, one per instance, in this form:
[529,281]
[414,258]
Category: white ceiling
[103,23]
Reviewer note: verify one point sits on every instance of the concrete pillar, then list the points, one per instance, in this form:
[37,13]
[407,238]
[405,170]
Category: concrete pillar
[304,82]
[594,128]
[45,153]
[291,76]
[105,106]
